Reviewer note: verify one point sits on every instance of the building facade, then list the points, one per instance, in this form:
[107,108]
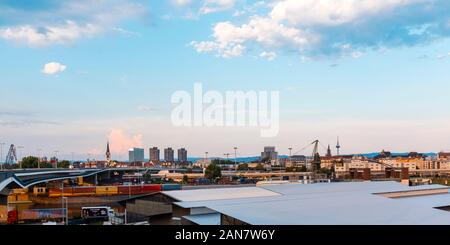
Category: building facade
[182,155]
[154,154]
[136,155]
[168,155]
[269,154]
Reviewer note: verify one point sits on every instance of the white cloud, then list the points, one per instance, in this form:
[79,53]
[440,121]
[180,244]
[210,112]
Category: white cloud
[48,35]
[316,28]
[120,142]
[332,13]
[224,50]
[212,6]
[181,3]
[63,22]
[268,55]
[443,56]
[53,68]
[264,31]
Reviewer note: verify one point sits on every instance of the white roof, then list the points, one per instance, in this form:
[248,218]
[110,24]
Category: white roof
[326,203]
[219,194]
[204,219]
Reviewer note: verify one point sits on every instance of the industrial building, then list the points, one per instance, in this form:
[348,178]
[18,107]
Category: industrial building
[340,203]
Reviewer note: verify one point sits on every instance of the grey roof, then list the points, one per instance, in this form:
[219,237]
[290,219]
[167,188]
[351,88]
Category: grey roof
[220,194]
[332,203]
[204,219]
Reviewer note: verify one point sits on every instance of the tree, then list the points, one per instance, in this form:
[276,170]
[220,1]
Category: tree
[326,171]
[222,162]
[259,167]
[30,162]
[243,166]
[213,171]
[296,169]
[185,179]
[63,164]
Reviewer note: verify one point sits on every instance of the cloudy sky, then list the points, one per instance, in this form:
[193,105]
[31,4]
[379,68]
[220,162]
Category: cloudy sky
[74,74]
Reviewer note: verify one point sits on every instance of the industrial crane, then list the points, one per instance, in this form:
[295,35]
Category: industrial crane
[315,164]
[11,158]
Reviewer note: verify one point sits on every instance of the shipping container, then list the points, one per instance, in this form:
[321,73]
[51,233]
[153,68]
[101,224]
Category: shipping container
[106,190]
[150,188]
[41,214]
[121,190]
[80,180]
[171,187]
[83,190]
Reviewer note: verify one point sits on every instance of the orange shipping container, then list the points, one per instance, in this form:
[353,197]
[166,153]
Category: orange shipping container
[106,190]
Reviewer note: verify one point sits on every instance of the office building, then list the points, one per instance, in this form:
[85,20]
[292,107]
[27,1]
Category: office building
[136,155]
[269,154]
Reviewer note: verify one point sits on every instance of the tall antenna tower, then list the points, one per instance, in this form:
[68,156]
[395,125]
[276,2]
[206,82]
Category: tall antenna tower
[338,146]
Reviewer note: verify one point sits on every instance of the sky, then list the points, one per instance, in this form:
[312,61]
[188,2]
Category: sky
[76,74]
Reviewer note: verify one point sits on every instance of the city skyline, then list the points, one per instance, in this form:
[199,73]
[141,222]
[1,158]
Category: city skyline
[74,75]
[155,155]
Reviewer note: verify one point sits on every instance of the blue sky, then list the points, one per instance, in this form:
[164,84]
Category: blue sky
[375,73]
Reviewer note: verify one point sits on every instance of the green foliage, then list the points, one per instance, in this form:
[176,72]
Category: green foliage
[297,169]
[259,167]
[147,177]
[213,171]
[243,166]
[326,171]
[30,162]
[63,164]
[222,162]
[185,179]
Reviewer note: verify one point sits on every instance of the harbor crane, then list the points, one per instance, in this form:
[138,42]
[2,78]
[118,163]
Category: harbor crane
[11,158]
[315,163]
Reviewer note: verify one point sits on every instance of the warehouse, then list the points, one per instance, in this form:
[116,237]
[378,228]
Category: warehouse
[347,203]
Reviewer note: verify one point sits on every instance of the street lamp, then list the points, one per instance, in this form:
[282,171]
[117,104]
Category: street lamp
[1,155]
[39,155]
[56,158]
[235,157]
[20,155]
[290,156]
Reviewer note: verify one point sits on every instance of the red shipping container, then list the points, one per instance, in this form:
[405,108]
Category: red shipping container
[151,188]
[125,189]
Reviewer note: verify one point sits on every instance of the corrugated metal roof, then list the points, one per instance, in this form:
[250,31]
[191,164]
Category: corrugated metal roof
[330,203]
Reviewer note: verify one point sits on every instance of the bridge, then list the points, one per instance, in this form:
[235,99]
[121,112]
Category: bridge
[30,177]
